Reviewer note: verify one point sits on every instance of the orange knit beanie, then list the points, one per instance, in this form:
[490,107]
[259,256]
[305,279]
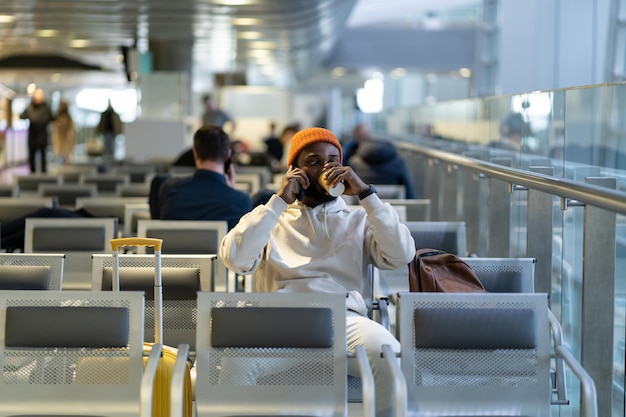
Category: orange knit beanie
[306,137]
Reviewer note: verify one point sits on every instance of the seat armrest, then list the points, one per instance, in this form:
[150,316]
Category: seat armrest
[559,372]
[390,359]
[590,397]
[147,380]
[367,382]
[380,305]
[177,388]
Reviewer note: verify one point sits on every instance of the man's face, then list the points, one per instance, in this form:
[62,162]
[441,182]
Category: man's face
[312,160]
[38,96]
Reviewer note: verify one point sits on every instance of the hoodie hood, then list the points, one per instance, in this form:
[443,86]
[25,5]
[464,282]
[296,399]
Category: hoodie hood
[376,152]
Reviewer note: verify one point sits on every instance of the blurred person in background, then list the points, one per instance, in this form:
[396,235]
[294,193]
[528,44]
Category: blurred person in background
[378,162]
[285,140]
[214,115]
[273,145]
[360,134]
[63,134]
[39,115]
[110,126]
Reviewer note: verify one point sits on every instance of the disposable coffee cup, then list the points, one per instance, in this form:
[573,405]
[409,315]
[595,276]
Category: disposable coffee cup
[335,190]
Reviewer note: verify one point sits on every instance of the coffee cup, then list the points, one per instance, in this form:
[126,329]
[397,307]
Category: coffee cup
[335,190]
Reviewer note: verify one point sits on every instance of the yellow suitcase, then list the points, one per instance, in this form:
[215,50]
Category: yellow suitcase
[162,382]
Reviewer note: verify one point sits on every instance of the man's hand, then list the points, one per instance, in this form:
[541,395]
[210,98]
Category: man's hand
[294,180]
[336,173]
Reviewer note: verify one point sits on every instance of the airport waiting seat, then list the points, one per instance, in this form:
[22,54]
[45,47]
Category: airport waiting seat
[504,274]
[401,210]
[477,354]
[384,191]
[254,181]
[105,183]
[29,184]
[67,194]
[188,237]
[8,190]
[132,214]
[297,339]
[133,190]
[448,236]
[70,174]
[77,238]
[31,271]
[182,277]
[108,206]
[74,353]
[417,209]
[496,274]
[12,208]
[184,236]
[137,173]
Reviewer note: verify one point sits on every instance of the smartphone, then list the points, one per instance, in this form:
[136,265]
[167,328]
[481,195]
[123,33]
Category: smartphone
[298,191]
[227,164]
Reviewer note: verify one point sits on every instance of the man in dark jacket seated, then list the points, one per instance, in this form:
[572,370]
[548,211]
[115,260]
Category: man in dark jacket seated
[378,162]
[209,193]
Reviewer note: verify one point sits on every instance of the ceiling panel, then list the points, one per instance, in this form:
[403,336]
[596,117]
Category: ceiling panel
[284,40]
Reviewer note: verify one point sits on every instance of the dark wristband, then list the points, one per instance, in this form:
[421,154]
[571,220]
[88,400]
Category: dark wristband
[370,190]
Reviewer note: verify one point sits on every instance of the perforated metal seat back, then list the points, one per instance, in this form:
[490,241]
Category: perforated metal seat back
[290,358]
[443,235]
[80,354]
[505,274]
[77,238]
[31,270]
[475,354]
[182,277]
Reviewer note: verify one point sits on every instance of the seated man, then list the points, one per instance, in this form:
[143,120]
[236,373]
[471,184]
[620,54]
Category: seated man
[314,243]
[378,162]
[208,194]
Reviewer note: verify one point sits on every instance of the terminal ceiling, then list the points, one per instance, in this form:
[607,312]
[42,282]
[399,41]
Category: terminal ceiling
[274,42]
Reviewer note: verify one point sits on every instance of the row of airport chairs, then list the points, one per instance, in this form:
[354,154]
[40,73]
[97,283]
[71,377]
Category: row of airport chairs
[80,237]
[118,182]
[486,353]
[518,272]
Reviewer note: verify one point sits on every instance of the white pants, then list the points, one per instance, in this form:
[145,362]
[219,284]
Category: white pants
[372,335]
[360,330]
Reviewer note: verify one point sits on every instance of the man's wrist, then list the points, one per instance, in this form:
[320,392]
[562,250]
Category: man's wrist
[368,192]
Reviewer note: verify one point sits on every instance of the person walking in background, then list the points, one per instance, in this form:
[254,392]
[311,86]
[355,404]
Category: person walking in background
[39,115]
[214,115]
[109,127]
[63,134]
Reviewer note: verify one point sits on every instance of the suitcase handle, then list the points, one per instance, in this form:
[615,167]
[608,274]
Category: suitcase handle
[136,241]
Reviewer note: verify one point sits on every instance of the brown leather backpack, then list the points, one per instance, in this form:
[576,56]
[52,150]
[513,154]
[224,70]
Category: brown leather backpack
[434,270]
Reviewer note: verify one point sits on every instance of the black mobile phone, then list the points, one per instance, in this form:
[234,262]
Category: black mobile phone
[227,164]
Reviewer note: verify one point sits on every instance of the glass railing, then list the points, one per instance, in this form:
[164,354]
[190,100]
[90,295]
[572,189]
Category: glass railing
[574,142]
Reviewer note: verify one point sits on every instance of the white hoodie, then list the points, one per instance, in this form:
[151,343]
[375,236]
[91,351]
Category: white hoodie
[326,248]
